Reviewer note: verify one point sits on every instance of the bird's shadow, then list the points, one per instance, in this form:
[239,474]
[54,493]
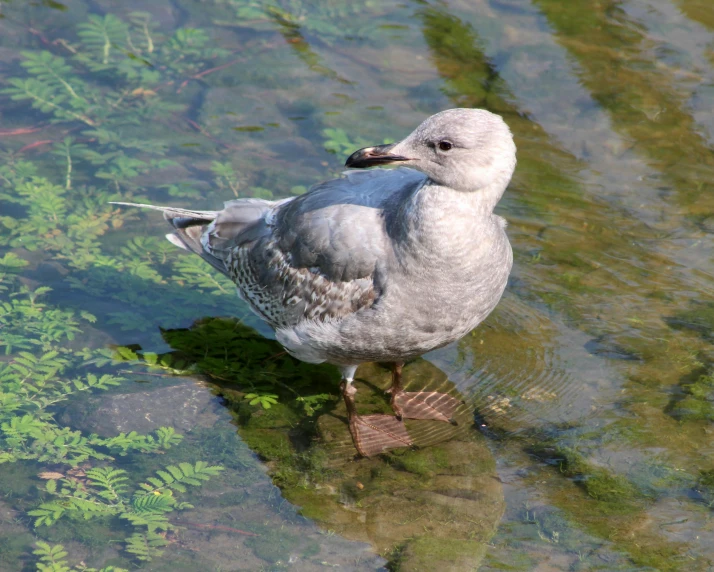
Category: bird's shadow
[239,361]
[236,358]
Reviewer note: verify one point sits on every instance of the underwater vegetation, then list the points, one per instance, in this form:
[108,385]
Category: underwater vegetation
[80,481]
[52,354]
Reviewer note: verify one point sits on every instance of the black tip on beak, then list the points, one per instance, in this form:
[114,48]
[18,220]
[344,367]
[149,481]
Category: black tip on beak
[371,156]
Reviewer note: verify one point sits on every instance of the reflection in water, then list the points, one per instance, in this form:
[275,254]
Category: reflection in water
[290,28]
[538,391]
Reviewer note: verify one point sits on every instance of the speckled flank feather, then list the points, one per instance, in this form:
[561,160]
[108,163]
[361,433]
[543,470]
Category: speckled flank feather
[288,295]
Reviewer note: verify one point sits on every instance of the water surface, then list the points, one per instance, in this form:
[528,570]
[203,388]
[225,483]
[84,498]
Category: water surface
[586,439]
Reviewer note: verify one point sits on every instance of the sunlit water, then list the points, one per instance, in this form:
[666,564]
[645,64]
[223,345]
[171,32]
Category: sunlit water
[585,440]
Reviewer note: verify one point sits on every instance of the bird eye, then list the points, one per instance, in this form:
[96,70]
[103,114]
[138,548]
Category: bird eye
[445,145]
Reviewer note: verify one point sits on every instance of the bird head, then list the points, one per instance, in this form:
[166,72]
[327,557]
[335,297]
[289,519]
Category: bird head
[463,149]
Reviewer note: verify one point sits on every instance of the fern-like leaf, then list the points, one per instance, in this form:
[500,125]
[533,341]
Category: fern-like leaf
[52,71]
[52,558]
[102,37]
[74,498]
[46,98]
[167,437]
[109,481]
[154,503]
[146,546]
[176,478]
[153,521]
[48,513]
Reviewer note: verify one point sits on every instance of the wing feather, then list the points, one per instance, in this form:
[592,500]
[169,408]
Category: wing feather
[311,257]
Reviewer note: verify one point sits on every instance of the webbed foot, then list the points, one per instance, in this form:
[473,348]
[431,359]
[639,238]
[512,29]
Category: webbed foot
[420,404]
[426,405]
[373,434]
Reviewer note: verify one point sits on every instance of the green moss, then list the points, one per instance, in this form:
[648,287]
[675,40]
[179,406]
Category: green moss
[423,462]
[270,445]
[662,556]
[698,401]
[604,486]
[426,554]
[616,492]
[313,506]
[526,563]
[699,318]
[279,415]
[693,409]
[68,217]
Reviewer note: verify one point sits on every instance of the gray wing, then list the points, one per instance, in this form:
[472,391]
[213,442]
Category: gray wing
[316,256]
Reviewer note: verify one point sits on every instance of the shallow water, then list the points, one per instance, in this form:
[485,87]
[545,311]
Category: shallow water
[585,441]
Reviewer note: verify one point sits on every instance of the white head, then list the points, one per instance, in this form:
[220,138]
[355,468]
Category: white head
[464,149]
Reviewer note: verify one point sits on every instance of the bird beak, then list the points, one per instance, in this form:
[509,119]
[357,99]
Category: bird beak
[371,156]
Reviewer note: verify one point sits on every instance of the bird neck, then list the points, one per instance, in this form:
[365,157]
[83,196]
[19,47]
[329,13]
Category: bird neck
[434,205]
[449,223]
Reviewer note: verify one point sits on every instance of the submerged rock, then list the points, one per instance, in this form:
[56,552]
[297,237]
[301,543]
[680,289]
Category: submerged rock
[183,406]
[239,522]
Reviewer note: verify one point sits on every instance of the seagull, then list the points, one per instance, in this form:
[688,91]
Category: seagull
[380,265]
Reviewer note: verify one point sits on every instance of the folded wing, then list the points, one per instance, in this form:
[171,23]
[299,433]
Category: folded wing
[317,256]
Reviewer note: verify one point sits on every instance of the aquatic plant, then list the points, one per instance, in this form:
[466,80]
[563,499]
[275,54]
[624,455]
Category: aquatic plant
[261,371]
[100,84]
[34,382]
[582,251]
[103,491]
[52,559]
[339,143]
[31,384]
[330,21]
[108,79]
[696,402]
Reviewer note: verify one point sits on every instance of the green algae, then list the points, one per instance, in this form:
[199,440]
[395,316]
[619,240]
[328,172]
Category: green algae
[569,272]
[697,401]
[624,79]
[599,483]
[698,318]
[440,553]
[622,522]
[425,464]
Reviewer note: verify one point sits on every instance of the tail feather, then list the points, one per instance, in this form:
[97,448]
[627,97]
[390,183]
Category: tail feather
[211,234]
[171,213]
[189,226]
[173,238]
[190,239]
